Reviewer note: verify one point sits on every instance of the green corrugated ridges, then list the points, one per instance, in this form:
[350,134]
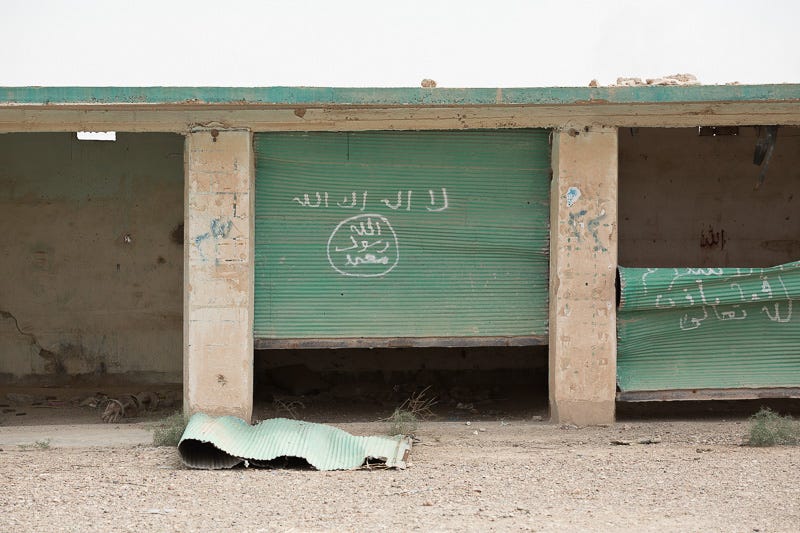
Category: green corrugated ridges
[709,328]
[232,441]
[477,269]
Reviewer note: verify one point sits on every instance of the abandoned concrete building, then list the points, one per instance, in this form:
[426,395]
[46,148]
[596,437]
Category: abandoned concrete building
[634,243]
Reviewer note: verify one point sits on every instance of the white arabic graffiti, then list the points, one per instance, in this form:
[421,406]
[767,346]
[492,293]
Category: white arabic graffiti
[445,202]
[363,246]
[772,287]
[439,200]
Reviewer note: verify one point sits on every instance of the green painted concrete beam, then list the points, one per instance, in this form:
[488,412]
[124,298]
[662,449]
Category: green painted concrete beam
[396,96]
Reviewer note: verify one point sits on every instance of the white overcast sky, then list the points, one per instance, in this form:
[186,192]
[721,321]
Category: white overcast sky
[380,43]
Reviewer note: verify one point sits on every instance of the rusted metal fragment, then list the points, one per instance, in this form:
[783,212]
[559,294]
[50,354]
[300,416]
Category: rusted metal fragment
[398,342]
[708,394]
[225,442]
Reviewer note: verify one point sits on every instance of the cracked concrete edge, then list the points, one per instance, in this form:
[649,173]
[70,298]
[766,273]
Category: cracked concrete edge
[76,436]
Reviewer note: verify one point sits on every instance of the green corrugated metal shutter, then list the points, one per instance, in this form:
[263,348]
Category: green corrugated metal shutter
[402,235]
[227,441]
[708,328]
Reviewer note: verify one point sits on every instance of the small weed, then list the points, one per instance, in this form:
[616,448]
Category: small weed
[406,418]
[768,428]
[170,430]
[43,444]
[401,422]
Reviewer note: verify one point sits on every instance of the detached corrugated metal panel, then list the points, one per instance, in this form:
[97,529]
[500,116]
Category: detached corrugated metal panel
[224,442]
[402,234]
[709,328]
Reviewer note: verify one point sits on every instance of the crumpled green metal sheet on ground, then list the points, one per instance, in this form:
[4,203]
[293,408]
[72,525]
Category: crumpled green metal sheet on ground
[227,441]
[708,328]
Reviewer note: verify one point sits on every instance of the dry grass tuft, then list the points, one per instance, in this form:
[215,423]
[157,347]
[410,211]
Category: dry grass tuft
[169,431]
[407,416]
[289,407]
[768,428]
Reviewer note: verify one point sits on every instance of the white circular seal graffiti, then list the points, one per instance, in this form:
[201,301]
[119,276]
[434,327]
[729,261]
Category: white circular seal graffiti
[363,246]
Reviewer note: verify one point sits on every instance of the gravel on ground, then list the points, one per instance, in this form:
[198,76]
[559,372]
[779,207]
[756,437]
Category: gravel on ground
[490,475]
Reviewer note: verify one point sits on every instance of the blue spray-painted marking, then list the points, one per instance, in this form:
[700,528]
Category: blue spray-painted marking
[219,230]
[573,193]
[574,223]
[593,225]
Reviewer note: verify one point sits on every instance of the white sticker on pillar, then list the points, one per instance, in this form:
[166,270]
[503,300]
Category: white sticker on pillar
[573,193]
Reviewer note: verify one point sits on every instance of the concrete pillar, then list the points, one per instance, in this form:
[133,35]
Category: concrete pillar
[218,274]
[583,261]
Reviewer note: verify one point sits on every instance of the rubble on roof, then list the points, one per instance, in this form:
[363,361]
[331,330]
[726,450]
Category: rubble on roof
[674,79]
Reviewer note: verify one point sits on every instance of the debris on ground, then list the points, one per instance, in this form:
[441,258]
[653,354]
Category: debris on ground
[649,440]
[113,409]
[25,399]
[225,442]
[94,401]
[129,405]
[535,467]
[643,440]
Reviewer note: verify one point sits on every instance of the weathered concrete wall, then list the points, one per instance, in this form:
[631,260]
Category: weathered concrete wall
[328,117]
[77,299]
[218,295]
[583,265]
[687,200]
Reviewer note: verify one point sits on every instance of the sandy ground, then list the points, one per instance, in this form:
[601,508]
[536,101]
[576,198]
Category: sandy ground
[490,475]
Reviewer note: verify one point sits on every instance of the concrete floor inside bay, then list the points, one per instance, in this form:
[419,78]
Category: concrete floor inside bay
[365,398]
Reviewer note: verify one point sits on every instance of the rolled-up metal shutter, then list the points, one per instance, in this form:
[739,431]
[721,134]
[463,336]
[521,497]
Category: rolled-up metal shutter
[709,332]
[401,238]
